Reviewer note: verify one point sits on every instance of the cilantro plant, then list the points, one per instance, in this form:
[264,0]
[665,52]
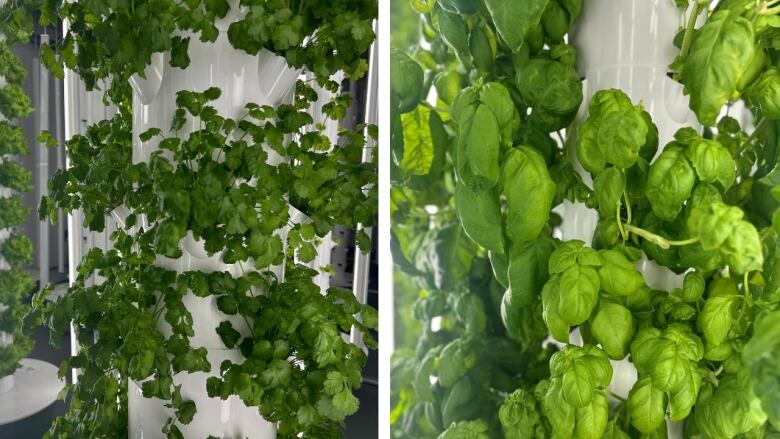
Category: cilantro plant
[216,184]
[476,174]
[15,249]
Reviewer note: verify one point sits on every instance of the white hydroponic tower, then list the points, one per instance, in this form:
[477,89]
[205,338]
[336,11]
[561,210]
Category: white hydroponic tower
[264,79]
[628,44]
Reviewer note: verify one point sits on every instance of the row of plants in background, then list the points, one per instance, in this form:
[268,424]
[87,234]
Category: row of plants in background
[217,184]
[16,249]
[476,174]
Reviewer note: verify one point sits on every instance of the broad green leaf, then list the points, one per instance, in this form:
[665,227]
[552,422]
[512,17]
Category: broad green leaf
[613,328]
[481,218]
[406,82]
[646,405]
[715,319]
[578,289]
[609,187]
[591,420]
[719,56]
[514,19]
[693,286]
[477,429]
[559,328]
[571,253]
[529,191]
[669,183]
[527,270]
[478,148]
[519,415]
[455,32]
[733,408]
[588,152]
[712,162]
[455,360]
[613,431]
[551,86]
[578,386]
[418,144]
[764,93]
[618,275]
[682,400]
[620,137]
[559,413]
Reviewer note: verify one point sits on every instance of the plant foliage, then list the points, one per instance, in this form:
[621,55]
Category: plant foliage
[476,175]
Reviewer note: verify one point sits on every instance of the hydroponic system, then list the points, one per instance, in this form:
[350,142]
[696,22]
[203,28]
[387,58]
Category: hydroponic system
[209,158]
[584,224]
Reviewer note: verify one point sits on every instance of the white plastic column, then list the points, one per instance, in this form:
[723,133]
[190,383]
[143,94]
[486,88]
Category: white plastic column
[627,44]
[41,161]
[265,79]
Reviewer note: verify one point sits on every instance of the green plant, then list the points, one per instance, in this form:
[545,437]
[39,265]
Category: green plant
[476,175]
[295,340]
[16,249]
[103,39]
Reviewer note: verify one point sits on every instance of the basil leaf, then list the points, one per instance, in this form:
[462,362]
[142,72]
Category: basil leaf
[715,319]
[669,183]
[609,187]
[481,218]
[646,405]
[578,292]
[515,19]
[406,81]
[613,327]
[529,192]
[712,162]
[418,151]
[591,420]
[618,275]
[719,56]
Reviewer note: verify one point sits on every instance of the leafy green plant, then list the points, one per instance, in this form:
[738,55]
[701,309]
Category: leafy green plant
[16,249]
[215,184]
[476,175]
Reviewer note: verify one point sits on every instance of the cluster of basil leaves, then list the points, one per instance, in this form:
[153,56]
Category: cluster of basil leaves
[16,249]
[217,184]
[476,173]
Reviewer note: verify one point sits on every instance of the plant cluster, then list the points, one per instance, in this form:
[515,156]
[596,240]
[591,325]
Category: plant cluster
[476,174]
[103,38]
[214,184]
[16,249]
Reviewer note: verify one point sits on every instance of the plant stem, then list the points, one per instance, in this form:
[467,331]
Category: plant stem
[616,396]
[753,135]
[622,231]
[690,27]
[658,240]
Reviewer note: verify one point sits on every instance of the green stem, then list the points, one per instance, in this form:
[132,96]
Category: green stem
[622,231]
[616,396]
[690,27]
[658,240]
[753,135]
[628,207]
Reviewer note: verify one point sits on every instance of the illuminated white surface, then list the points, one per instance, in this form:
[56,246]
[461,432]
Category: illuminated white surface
[35,387]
